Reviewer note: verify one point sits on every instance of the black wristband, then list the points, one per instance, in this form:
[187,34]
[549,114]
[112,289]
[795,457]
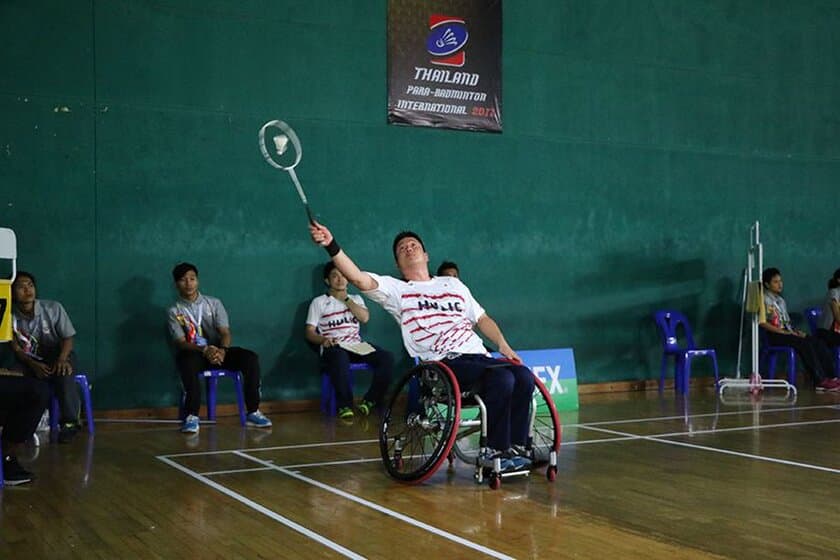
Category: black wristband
[333,248]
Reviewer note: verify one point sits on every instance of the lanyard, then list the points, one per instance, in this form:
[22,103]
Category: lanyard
[28,342]
[191,317]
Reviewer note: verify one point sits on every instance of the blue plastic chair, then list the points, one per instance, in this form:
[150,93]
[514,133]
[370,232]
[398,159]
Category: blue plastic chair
[328,405]
[668,321]
[211,378]
[770,355]
[84,387]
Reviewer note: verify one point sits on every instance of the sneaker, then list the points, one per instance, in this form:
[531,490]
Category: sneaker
[190,425]
[520,456]
[365,407]
[827,385]
[44,422]
[258,420]
[13,473]
[487,458]
[67,432]
[345,413]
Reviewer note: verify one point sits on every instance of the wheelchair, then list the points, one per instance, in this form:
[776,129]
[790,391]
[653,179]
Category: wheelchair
[429,420]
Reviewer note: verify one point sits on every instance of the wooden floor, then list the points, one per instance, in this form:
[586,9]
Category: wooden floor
[640,477]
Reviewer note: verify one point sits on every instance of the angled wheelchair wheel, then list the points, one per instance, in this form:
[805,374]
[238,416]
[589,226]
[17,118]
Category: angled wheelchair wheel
[420,423]
[544,438]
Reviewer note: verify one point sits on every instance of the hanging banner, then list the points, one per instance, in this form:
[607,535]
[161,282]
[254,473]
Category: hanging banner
[445,64]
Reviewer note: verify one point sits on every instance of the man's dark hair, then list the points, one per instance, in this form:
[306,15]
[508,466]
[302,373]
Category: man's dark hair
[834,281]
[181,269]
[329,267]
[445,265]
[769,274]
[24,274]
[402,235]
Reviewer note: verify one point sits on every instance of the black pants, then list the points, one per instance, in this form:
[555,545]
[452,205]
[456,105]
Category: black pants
[22,402]
[832,340]
[191,363]
[335,362]
[63,386]
[815,355]
[506,390]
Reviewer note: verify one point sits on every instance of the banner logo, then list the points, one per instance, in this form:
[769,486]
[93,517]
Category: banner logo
[446,41]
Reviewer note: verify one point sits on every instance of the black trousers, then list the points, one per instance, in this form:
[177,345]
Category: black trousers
[22,402]
[335,362]
[507,390]
[63,386]
[190,363]
[815,355]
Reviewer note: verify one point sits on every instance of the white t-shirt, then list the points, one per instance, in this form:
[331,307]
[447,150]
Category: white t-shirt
[436,317]
[333,319]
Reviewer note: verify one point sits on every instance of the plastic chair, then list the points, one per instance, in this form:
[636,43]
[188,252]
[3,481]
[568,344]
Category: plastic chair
[211,378]
[771,354]
[82,382]
[668,321]
[812,315]
[328,405]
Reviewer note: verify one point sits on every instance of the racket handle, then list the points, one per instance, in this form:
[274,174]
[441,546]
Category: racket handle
[309,214]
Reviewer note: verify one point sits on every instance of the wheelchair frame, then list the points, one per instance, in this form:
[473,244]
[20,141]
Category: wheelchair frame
[422,426]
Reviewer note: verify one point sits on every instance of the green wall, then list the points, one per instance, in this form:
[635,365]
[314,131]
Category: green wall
[640,141]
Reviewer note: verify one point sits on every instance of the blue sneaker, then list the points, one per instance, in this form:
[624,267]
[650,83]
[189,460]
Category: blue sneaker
[487,459]
[258,420]
[520,457]
[190,425]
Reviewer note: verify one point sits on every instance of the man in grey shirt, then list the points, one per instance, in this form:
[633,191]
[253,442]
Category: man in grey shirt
[43,348]
[200,328]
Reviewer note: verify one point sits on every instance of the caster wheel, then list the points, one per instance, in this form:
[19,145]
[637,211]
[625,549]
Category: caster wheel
[551,473]
[495,482]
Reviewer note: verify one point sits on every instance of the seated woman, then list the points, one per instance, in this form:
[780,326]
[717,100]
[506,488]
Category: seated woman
[829,326]
[780,332]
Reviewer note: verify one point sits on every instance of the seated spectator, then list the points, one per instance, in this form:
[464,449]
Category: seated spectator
[332,324]
[200,328]
[829,326]
[780,332]
[22,400]
[43,346]
[448,268]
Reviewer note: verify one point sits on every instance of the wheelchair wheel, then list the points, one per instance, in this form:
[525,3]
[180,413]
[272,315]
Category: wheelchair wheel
[420,423]
[544,439]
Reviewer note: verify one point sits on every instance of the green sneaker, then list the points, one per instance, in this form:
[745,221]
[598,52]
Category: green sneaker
[345,412]
[365,407]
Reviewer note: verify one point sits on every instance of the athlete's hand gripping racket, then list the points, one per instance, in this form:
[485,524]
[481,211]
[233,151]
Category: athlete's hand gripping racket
[279,159]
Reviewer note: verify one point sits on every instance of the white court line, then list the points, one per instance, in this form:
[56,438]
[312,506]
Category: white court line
[723,451]
[234,471]
[381,509]
[276,448]
[265,511]
[564,426]
[744,428]
[704,415]
[628,437]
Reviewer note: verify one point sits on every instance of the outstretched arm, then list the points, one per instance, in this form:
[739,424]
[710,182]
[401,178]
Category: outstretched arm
[322,236]
[491,330]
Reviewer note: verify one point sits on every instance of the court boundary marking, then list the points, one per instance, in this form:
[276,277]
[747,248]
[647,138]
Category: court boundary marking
[593,426]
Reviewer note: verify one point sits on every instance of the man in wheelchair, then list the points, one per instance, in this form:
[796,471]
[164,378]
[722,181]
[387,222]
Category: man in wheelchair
[437,315]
